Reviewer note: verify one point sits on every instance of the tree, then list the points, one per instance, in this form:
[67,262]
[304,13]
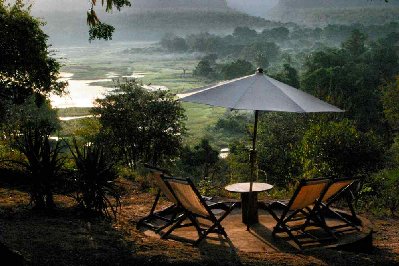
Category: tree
[261,60]
[351,80]
[244,33]
[390,101]
[98,29]
[276,34]
[356,43]
[288,75]
[338,149]
[27,75]
[237,69]
[279,136]
[174,43]
[267,49]
[202,156]
[204,69]
[141,125]
[29,133]
[26,67]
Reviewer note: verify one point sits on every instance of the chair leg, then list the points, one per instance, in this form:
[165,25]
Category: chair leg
[176,225]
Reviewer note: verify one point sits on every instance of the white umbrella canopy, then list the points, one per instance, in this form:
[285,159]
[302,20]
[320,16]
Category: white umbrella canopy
[257,92]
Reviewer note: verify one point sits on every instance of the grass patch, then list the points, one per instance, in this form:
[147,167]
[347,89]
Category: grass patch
[73,111]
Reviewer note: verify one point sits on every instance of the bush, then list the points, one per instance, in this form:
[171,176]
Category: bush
[338,149]
[204,69]
[280,135]
[95,178]
[380,192]
[29,131]
[43,164]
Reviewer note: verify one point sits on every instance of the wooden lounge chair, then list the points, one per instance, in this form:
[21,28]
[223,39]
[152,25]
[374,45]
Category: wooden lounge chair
[303,206]
[159,219]
[195,207]
[338,189]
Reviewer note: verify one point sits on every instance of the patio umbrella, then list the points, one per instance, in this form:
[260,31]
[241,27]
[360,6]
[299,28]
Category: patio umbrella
[257,92]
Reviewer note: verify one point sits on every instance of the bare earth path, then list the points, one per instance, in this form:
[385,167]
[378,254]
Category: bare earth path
[66,238]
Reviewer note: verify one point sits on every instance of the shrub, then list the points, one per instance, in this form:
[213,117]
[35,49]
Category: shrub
[43,164]
[28,132]
[380,192]
[338,149]
[95,178]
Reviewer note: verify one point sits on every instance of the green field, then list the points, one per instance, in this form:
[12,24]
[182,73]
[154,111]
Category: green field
[171,70]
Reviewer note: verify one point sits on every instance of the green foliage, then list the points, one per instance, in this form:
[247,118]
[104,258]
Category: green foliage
[338,149]
[94,179]
[99,30]
[276,34]
[141,125]
[174,43]
[268,49]
[205,42]
[30,135]
[238,162]
[350,78]
[237,69]
[356,43]
[244,33]
[390,101]
[261,60]
[201,160]
[288,75]
[30,116]
[279,135]
[44,166]
[393,153]
[233,122]
[204,69]
[380,193]
[207,186]
[26,67]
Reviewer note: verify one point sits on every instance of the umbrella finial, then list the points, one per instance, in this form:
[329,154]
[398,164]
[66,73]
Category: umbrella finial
[259,70]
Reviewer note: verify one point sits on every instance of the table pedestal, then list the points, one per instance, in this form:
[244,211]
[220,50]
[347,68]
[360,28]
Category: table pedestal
[249,208]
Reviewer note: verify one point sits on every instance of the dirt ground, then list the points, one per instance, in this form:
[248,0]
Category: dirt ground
[65,237]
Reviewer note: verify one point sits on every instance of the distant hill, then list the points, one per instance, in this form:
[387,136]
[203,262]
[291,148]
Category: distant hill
[156,5]
[145,20]
[252,7]
[137,5]
[323,12]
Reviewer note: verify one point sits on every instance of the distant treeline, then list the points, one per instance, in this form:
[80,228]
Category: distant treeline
[289,36]
[332,15]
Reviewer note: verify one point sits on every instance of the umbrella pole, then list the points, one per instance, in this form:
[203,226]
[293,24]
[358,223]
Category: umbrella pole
[252,161]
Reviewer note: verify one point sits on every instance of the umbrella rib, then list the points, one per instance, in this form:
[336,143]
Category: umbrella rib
[242,95]
[303,110]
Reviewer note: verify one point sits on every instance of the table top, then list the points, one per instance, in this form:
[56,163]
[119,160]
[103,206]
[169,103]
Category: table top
[244,187]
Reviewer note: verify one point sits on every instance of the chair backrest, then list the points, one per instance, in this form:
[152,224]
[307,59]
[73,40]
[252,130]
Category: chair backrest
[307,193]
[336,187]
[188,196]
[158,176]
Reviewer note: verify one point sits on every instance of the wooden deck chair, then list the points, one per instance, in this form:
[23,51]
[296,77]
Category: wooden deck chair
[195,207]
[338,189]
[303,205]
[159,219]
